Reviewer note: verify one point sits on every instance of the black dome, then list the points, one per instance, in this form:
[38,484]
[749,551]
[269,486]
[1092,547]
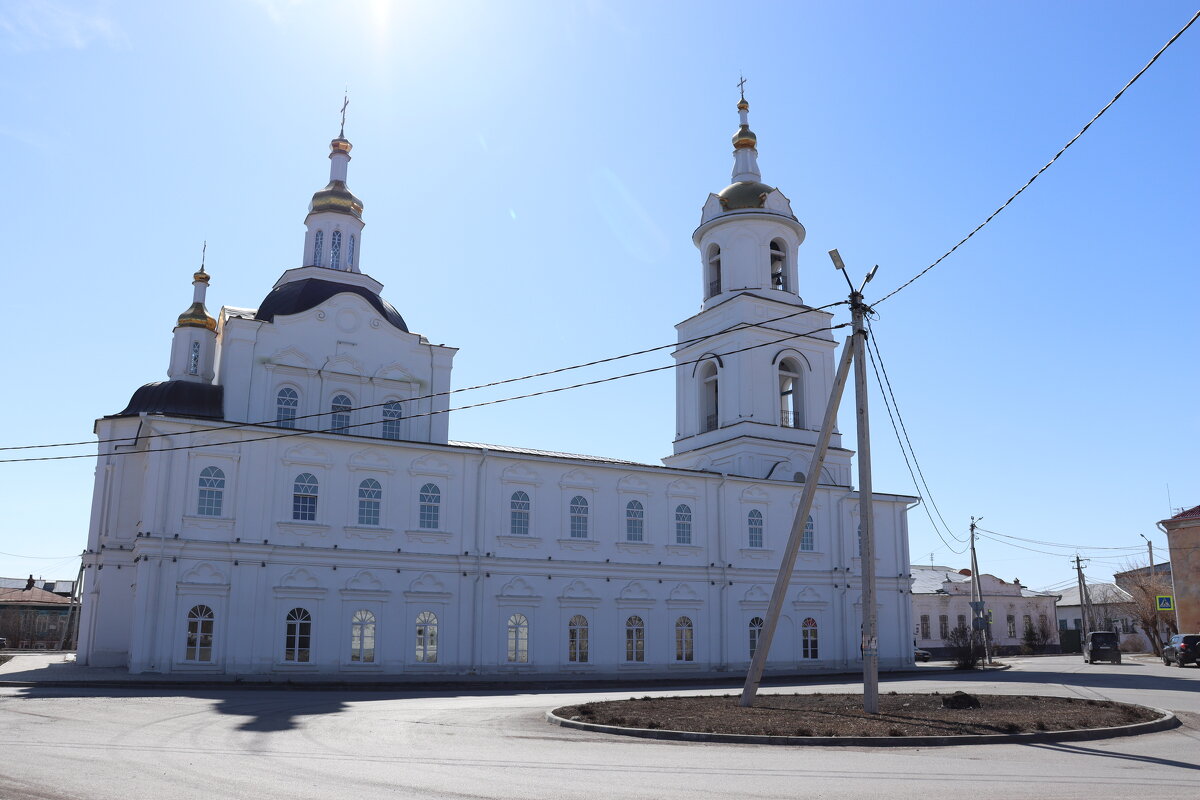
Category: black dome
[298,296]
[177,399]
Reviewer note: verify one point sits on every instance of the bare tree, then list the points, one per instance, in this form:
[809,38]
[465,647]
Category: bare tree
[1145,587]
[965,647]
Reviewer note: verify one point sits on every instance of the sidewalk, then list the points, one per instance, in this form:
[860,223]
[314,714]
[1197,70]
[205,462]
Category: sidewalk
[60,669]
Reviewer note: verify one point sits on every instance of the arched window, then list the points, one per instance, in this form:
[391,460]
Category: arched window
[362,637]
[808,539]
[297,638]
[212,492]
[684,640]
[518,514]
[370,495]
[393,413]
[635,639]
[577,639]
[199,645]
[635,521]
[709,405]
[518,639]
[350,253]
[304,498]
[286,403]
[791,395]
[755,629]
[339,413]
[579,517]
[683,524]
[808,638]
[335,250]
[754,528]
[318,247]
[712,271]
[779,265]
[430,503]
[427,637]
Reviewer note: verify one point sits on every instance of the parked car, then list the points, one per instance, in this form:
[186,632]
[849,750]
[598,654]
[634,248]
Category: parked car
[921,655]
[1102,646]
[1184,648]
[3,643]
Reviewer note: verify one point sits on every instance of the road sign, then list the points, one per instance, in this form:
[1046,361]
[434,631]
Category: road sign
[977,605]
[1165,602]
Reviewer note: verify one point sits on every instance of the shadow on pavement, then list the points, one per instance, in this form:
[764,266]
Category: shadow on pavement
[1074,749]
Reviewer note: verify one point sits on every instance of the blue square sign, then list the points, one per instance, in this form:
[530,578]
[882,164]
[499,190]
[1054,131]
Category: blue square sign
[1165,602]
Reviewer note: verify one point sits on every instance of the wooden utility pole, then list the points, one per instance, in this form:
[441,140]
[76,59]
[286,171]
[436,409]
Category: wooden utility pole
[759,661]
[853,350]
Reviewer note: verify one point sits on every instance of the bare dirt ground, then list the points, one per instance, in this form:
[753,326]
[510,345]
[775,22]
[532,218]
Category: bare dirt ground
[843,715]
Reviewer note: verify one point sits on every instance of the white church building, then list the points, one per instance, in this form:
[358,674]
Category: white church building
[288,502]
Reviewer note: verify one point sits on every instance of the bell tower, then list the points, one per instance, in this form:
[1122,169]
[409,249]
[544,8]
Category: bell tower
[755,365]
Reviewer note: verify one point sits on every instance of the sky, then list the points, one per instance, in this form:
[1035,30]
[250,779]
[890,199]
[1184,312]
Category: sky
[532,173]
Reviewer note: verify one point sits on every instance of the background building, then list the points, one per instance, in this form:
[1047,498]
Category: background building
[1183,539]
[33,618]
[941,599]
[289,501]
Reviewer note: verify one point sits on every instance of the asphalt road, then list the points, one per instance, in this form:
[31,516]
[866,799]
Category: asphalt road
[170,743]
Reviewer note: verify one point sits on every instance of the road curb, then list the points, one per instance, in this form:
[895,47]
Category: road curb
[1165,722]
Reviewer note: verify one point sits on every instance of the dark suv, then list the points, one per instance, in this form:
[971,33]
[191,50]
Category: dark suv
[1102,646]
[1184,648]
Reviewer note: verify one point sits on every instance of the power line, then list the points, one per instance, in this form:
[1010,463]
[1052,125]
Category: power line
[903,451]
[1029,182]
[1065,545]
[40,558]
[874,343]
[492,384]
[341,428]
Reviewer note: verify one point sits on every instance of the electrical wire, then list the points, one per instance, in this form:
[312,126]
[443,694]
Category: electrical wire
[1066,545]
[888,405]
[1029,182]
[873,342]
[545,373]
[343,428]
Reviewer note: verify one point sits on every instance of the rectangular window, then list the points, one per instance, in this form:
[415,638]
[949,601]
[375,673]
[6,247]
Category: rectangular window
[304,507]
[924,626]
[1012,627]
[943,626]
[962,620]
[684,643]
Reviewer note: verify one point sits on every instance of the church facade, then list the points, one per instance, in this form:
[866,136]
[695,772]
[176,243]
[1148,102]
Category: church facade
[289,502]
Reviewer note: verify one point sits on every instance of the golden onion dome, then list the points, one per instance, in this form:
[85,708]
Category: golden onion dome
[336,197]
[197,317]
[744,194]
[201,276]
[745,138]
[340,145]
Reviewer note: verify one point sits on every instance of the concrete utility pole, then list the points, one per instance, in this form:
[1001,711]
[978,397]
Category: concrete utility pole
[866,508]
[978,618]
[1150,547]
[1084,603]
[853,350]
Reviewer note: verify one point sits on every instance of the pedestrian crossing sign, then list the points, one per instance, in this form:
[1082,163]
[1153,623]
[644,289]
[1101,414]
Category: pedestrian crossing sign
[1165,602]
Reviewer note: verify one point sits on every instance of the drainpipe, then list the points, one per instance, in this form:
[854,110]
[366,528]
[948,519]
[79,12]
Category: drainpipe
[722,616]
[476,586]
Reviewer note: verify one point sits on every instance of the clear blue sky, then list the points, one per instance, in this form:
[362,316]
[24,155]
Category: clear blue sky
[532,173]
